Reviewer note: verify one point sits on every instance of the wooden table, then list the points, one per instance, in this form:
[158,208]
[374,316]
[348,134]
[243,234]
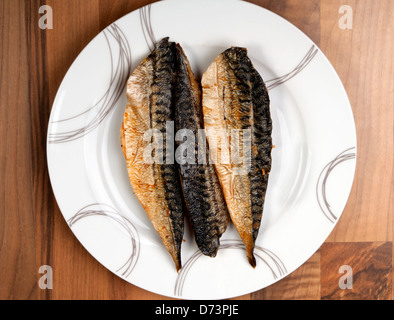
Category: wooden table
[32,230]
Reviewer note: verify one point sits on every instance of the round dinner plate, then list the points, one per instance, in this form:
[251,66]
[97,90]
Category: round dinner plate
[314,157]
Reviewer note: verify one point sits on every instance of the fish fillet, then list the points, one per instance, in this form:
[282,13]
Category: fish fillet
[202,191]
[156,185]
[235,99]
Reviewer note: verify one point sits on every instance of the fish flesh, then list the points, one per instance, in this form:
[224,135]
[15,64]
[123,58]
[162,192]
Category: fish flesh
[156,184]
[201,188]
[235,99]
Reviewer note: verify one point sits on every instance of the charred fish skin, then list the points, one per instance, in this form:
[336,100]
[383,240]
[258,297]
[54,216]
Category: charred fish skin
[202,191]
[235,97]
[253,91]
[157,186]
[163,111]
[262,135]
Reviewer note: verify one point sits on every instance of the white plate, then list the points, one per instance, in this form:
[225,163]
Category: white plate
[313,161]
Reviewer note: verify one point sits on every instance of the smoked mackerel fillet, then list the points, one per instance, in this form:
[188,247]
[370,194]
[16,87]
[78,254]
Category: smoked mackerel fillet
[156,185]
[202,191]
[235,99]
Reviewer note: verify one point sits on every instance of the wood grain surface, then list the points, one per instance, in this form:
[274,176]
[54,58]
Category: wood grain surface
[33,232]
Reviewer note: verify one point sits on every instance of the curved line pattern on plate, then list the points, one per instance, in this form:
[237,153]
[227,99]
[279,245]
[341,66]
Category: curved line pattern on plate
[321,195]
[99,209]
[270,259]
[273,83]
[146,25]
[120,71]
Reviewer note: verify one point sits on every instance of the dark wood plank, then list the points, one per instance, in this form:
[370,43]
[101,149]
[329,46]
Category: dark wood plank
[44,203]
[17,222]
[371,273]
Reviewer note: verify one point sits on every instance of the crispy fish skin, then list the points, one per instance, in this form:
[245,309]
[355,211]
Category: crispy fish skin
[202,191]
[235,98]
[156,186]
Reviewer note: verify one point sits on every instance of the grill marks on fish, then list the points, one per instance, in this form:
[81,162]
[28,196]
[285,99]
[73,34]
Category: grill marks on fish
[156,186]
[203,195]
[235,98]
